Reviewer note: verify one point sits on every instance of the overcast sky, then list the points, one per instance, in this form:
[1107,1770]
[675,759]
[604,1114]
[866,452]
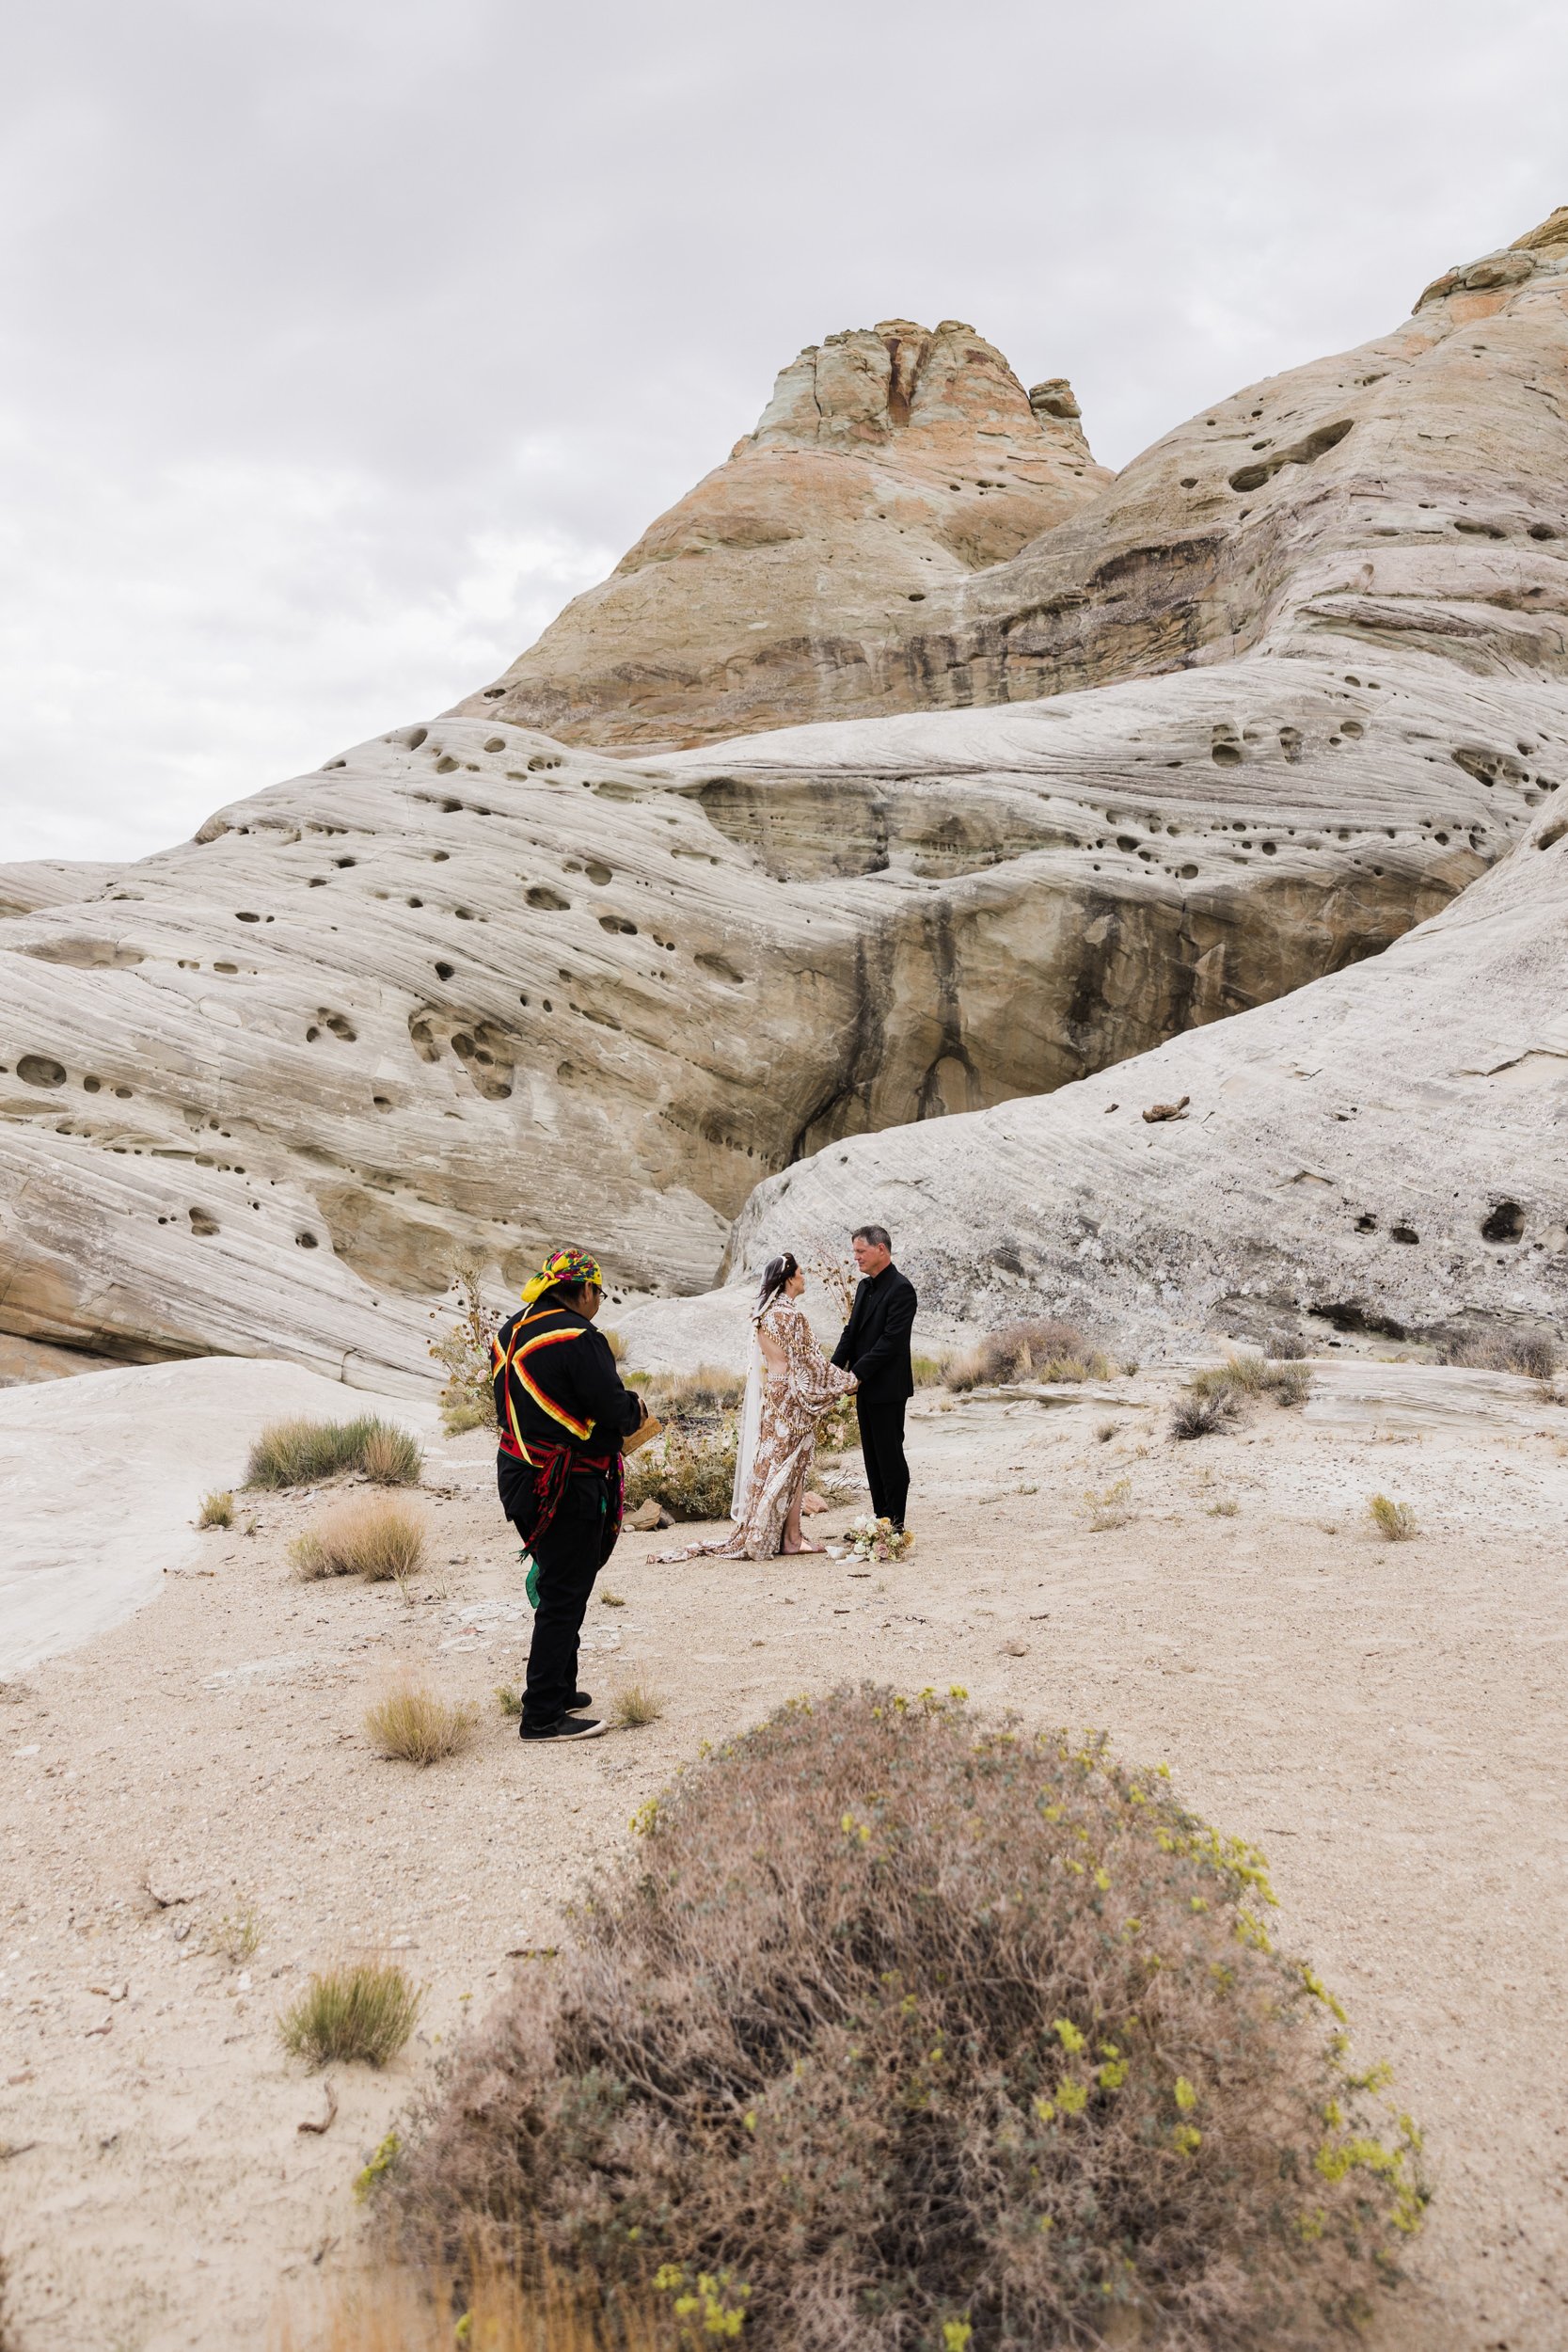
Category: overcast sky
[349,338]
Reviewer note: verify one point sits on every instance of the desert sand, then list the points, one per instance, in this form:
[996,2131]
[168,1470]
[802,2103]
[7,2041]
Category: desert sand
[1387,1720]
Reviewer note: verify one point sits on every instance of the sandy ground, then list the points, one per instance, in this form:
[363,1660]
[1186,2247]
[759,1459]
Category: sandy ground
[1387,1720]
[134,1449]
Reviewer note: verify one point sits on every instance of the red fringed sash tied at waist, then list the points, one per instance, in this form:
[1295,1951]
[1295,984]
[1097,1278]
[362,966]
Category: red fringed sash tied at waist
[552,1465]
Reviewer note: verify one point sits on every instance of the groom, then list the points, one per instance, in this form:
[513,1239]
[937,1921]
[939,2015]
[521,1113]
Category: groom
[876,1348]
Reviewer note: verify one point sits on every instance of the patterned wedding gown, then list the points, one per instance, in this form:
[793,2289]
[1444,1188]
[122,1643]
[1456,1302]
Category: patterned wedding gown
[792,1400]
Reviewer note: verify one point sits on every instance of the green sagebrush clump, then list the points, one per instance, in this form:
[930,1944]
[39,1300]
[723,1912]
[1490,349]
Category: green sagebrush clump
[928,2035]
[297,1453]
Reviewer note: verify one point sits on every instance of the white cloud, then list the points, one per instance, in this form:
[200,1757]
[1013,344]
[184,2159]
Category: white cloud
[349,340]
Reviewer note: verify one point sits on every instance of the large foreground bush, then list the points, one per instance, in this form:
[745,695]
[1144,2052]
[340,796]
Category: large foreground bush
[899,2033]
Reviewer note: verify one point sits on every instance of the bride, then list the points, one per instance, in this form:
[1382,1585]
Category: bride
[788,1385]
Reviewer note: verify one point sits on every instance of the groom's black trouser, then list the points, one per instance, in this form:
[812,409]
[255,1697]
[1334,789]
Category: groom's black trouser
[887,1473]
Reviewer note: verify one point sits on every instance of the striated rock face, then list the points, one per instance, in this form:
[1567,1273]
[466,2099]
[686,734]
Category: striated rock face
[468,985]
[888,466]
[1384,1149]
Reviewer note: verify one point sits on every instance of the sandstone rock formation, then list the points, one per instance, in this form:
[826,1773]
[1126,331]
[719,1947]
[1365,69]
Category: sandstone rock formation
[1382,1150]
[546,990]
[888,466]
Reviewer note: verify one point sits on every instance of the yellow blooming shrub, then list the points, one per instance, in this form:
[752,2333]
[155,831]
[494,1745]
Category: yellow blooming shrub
[899,2033]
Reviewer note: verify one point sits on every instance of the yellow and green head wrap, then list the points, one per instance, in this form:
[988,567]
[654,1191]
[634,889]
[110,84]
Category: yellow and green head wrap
[568,1266]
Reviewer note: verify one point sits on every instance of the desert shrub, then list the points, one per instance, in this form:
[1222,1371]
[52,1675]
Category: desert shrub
[1042,1349]
[1213,1398]
[508,1700]
[689,1469]
[1533,1353]
[412,1726]
[468,1412]
[637,1705]
[1204,1412]
[1286,1344]
[615,1344]
[463,1350]
[1394,1521]
[390,1456]
[702,1395]
[370,1536]
[1108,1509]
[839,1427]
[297,1453]
[217,1510]
[1289,1383]
[354,2016]
[927,1370]
[901,2031]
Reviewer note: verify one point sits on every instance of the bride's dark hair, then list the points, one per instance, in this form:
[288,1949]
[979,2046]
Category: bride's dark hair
[775,1274]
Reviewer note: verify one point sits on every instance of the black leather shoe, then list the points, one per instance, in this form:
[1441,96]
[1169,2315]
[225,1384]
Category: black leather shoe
[563,1727]
[579,1701]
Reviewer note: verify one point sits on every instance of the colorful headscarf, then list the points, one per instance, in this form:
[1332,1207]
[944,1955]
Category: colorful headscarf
[570,1267]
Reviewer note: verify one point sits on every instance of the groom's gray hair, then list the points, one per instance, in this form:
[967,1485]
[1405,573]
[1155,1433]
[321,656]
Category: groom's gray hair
[878,1236]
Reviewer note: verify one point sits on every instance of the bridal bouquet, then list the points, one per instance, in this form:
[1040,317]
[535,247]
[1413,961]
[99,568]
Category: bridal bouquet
[878,1539]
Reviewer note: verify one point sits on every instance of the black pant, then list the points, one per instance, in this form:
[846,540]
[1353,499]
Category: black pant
[568,1556]
[883,1450]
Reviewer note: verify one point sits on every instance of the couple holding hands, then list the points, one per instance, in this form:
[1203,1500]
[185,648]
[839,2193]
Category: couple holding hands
[562,1412]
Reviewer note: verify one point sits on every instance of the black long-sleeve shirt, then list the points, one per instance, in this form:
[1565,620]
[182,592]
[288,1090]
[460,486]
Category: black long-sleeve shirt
[555,1382]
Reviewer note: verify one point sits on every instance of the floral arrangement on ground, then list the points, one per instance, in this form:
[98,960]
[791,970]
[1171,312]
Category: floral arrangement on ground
[875,1539]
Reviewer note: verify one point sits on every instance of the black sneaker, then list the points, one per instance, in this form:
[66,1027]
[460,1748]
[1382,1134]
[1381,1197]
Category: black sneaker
[578,1703]
[563,1727]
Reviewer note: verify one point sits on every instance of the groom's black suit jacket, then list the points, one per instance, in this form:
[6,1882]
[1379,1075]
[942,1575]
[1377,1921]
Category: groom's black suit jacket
[875,1342]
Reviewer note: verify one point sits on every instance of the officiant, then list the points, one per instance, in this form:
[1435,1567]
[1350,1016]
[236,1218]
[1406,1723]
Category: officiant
[876,1348]
[561,1415]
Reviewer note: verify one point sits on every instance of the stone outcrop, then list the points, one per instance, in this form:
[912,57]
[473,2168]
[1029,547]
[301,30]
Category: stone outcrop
[1383,1151]
[889,465]
[467,985]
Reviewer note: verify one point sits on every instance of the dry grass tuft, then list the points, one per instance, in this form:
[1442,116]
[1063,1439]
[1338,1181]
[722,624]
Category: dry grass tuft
[1042,1349]
[637,1705]
[352,2016]
[217,1510]
[1109,1509]
[237,1936]
[297,1453]
[898,2031]
[1215,1397]
[1286,1344]
[370,1536]
[508,1700]
[1205,1413]
[684,1396]
[927,1370]
[394,2311]
[412,1726]
[390,1456]
[689,1469]
[1394,1521]
[1532,1352]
